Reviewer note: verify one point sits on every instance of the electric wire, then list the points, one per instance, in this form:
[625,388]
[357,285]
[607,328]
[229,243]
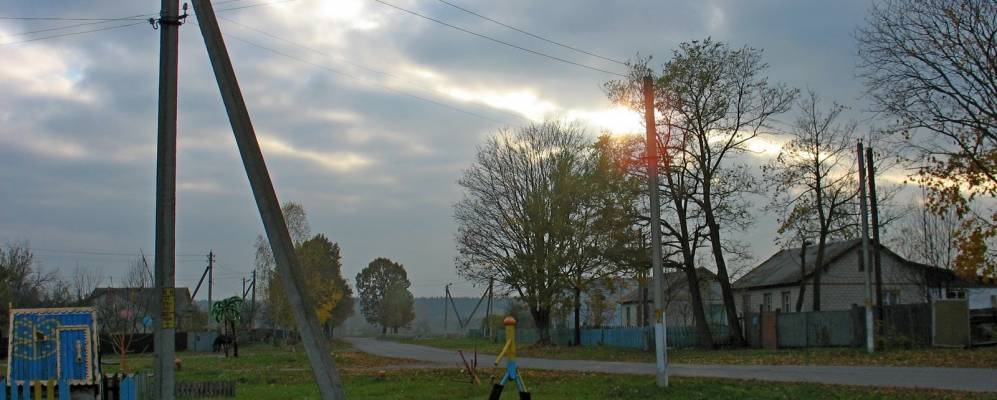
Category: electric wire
[346,74]
[355,64]
[531,34]
[502,42]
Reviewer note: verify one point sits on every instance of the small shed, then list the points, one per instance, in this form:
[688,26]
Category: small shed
[53,344]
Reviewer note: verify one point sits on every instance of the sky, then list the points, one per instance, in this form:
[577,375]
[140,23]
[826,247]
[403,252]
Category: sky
[367,116]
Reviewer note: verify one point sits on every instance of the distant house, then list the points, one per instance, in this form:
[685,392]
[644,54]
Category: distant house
[677,299]
[129,307]
[775,283]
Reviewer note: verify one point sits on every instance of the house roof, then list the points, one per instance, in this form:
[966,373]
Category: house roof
[783,268]
[673,281]
[182,294]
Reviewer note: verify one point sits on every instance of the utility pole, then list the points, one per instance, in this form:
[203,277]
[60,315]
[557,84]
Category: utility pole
[488,309]
[244,293]
[877,259]
[866,262]
[166,200]
[211,277]
[317,347]
[446,313]
[252,307]
[652,188]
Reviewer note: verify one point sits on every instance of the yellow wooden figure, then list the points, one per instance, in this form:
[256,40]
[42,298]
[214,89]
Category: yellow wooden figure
[511,372]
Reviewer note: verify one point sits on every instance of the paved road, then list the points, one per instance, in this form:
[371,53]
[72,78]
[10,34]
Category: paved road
[968,379]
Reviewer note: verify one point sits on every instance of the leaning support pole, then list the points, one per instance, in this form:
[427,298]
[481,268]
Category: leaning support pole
[166,201]
[323,366]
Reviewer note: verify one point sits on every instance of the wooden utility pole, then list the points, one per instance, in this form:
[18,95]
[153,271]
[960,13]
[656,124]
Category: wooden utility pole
[877,259]
[252,307]
[166,200]
[488,309]
[866,262]
[661,376]
[211,277]
[323,366]
[446,312]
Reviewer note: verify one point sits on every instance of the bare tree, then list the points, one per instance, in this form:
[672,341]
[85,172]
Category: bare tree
[717,100]
[83,283]
[924,236]
[931,65]
[270,285]
[812,181]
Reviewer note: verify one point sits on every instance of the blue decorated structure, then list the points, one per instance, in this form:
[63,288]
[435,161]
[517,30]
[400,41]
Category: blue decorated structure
[54,344]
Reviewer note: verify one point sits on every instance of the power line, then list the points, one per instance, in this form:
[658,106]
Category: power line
[107,28]
[106,20]
[346,74]
[426,17]
[100,252]
[64,19]
[355,64]
[530,34]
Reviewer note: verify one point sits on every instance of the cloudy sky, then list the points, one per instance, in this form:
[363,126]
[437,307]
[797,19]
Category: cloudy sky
[366,115]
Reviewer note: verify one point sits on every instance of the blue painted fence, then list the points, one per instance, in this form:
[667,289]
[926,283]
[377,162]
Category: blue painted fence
[638,338]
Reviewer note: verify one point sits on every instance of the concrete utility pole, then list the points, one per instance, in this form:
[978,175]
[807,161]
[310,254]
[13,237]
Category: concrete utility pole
[877,259]
[652,187]
[166,201]
[866,262]
[323,366]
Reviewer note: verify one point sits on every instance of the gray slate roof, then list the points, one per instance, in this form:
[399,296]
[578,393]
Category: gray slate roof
[783,268]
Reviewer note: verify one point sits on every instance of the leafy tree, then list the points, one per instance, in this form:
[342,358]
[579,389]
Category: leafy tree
[382,288]
[930,66]
[397,307]
[332,297]
[517,220]
[275,307]
[228,312]
[812,180]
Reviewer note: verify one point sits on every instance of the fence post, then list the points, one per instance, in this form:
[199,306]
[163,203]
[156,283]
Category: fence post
[63,390]
[51,389]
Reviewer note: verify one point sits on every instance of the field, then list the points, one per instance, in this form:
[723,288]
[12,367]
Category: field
[985,357]
[266,372]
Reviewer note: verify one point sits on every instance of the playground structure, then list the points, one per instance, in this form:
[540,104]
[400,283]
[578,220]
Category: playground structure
[511,370]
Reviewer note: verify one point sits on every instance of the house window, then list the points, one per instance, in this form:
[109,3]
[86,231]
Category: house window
[955,294]
[891,297]
[785,301]
[627,322]
[767,301]
[746,303]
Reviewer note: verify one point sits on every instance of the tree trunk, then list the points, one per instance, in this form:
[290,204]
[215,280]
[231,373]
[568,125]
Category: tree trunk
[737,336]
[818,263]
[235,340]
[703,333]
[384,330]
[578,325]
[803,277]
[541,318]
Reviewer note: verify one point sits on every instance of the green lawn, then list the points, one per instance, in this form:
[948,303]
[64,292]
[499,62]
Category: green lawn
[266,372]
[934,357]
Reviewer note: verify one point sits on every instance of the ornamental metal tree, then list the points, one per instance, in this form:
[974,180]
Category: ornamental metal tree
[229,311]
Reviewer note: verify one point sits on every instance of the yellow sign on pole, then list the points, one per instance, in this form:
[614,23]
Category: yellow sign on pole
[169,309]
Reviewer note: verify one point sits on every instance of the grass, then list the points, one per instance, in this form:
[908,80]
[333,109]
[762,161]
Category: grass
[985,357]
[266,372]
